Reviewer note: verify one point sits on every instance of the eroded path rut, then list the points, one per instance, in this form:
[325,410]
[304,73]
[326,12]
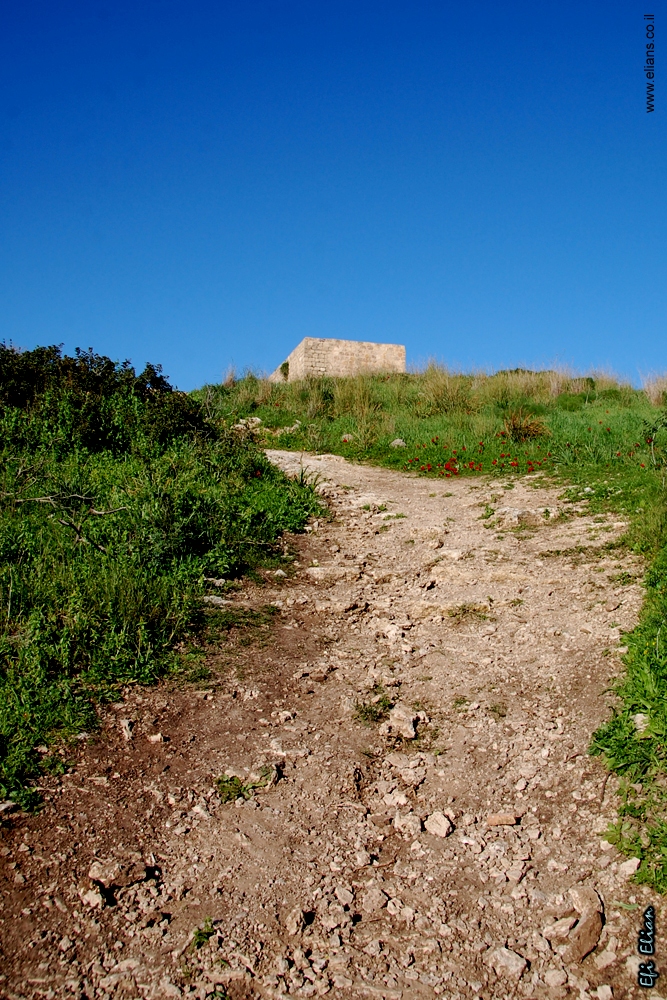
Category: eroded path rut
[453,849]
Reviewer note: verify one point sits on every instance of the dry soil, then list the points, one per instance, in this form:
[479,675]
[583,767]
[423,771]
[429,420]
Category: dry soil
[418,713]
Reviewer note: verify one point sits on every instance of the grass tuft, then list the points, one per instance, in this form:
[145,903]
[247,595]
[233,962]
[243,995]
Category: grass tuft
[521,427]
[376,709]
[468,613]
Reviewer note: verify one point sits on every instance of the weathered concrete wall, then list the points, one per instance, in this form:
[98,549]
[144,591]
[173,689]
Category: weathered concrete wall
[339,358]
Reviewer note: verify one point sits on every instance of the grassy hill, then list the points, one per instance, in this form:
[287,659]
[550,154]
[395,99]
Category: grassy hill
[119,496]
[603,441]
[542,419]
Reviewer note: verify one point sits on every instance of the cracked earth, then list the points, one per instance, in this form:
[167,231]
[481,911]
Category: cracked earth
[415,718]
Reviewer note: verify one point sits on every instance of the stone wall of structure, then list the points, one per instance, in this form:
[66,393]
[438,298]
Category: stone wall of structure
[316,356]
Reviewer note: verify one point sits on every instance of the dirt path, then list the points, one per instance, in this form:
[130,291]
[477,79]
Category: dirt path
[450,849]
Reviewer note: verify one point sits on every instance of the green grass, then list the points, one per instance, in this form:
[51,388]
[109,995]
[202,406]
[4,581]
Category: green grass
[453,425]
[118,497]
[602,442]
[376,709]
[639,753]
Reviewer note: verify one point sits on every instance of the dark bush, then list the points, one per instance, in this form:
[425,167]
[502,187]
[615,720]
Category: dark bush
[117,497]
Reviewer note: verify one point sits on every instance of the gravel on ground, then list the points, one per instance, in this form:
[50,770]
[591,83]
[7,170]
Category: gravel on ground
[414,812]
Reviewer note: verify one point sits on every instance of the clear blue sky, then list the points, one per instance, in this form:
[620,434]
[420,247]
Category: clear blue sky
[198,183]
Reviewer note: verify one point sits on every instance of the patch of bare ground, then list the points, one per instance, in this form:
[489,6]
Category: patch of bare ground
[416,813]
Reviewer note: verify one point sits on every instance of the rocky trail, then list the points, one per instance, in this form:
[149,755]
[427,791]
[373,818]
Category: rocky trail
[409,808]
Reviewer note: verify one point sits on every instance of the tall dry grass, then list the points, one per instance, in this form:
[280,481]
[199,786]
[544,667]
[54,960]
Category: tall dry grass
[443,390]
[435,391]
[357,396]
[655,387]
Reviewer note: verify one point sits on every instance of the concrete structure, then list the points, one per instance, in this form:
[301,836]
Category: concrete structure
[316,356]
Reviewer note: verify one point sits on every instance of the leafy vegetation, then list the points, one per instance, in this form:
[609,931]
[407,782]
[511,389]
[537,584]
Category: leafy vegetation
[634,740]
[119,497]
[202,935]
[230,787]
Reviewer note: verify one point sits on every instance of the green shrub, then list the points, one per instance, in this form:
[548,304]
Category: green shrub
[118,496]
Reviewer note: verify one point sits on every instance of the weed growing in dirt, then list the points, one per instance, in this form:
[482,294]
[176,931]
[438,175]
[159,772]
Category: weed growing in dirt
[202,935]
[197,674]
[468,613]
[376,709]
[230,787]
[624,578]
[118,497]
